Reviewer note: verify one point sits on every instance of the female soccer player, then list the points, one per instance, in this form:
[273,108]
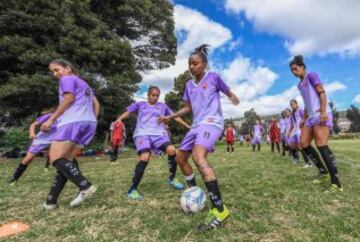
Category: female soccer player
[41,142]
[202,97]
[77,119]
[230,138]
[317,121]
[294,133]
[117,139]
[257,132]
[274,134]
[150,135]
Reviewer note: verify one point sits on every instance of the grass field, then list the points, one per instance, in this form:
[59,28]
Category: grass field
[269,199]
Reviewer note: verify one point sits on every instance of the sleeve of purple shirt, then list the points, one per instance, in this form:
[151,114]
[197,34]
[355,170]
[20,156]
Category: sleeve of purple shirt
[186,96]
[68,84]
[221,85]
[133,108]
[314,79]
[43,118]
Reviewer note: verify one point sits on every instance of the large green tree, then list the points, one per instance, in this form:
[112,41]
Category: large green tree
[250,117]
[34,32]
[353,115]
[147,24]
[174,99]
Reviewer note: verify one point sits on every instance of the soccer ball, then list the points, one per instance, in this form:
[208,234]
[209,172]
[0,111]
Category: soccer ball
[193,200]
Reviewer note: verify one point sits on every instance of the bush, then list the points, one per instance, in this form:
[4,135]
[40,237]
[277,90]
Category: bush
[15,136]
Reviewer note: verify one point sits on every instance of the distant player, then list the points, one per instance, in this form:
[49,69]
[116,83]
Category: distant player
[257,133]
[274,134]
[117,139]
[317,122]
[230,138]
[241,139]
[294,133]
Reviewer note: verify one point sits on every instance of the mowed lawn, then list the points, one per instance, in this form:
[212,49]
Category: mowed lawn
[269,199]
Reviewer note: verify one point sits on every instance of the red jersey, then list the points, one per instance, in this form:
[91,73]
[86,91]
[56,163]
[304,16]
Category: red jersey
[117,132]
[230,134]
[274,131]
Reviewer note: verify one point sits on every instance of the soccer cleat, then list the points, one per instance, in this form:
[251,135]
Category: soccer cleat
[82,195]
[176,184]
[334,189]
[321,178]
[46,169]
[135,195]
[307,166]
[214,220]
[46,206]
[12,182]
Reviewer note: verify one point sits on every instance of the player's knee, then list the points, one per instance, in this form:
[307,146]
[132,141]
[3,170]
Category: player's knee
[170,150]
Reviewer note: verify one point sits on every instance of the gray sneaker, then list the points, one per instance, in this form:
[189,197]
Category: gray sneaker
[82,195]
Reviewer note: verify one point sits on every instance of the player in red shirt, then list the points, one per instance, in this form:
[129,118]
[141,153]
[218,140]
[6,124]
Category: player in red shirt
[117,138]
[274,134]
[230,138]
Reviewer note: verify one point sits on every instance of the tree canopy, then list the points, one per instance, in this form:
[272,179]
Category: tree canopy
[101,38]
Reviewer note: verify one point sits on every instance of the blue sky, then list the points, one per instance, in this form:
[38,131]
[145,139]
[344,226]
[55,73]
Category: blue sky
[253,40]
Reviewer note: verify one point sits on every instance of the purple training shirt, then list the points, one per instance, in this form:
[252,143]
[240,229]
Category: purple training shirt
[82,109]
[147,119]
[204,98]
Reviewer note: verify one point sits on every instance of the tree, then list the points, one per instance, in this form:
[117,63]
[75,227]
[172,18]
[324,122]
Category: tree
[35,32]
[147,24]
[335,113]
[174,99]
[353,115]
[250,119]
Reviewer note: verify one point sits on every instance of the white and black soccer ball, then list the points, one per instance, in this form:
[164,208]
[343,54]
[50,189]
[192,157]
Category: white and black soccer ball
[193,200]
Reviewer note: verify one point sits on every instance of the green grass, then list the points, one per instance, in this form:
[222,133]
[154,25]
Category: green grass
[269,199]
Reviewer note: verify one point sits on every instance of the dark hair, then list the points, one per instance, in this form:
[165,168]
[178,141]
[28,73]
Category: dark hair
[298,60]
[202,51]
[64,63]
[152,88]
[293,100]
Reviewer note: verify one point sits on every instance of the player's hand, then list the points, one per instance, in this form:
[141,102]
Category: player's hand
[45,127]
[32,136]
[323,117]
[234,100]
[164,119]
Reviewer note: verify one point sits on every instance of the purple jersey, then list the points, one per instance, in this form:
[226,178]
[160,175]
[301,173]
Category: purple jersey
[257,130]
[148,115]
[204,99]
[295,120]
[44,137]
[282,125]
[82,109]
[287,124]
[309,94]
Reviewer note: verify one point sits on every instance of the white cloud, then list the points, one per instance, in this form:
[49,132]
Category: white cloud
[357,99]
[247,80]
[198,29]
[311,27]
[274,104]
